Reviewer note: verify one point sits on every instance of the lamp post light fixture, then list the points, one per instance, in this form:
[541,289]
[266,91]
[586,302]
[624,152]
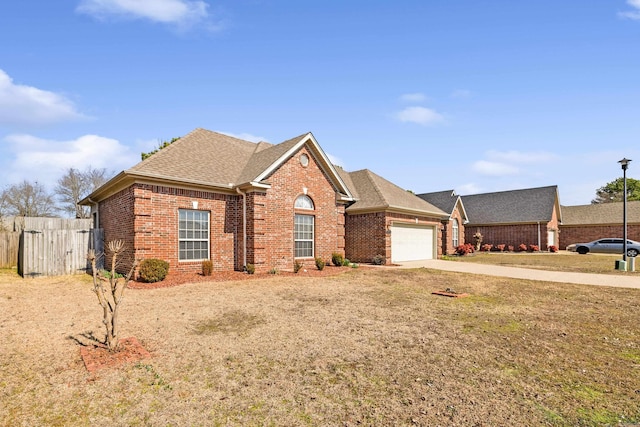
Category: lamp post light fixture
[625,164]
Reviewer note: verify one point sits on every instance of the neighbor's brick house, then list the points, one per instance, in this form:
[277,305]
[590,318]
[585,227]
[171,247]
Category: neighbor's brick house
[529,216]
[212,196]
[453,226]
[585,223]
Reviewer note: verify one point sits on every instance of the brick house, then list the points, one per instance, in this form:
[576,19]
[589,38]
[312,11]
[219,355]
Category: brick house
[209,196]
[585,223]
[453,226]
[389,221]
[530,216]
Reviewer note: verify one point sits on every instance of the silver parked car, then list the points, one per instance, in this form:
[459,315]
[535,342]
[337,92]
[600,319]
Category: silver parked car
[606,246]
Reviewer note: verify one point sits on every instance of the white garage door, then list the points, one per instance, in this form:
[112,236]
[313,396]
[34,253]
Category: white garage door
[411,243]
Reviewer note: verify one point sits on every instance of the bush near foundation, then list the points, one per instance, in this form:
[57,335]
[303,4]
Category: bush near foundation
[153,270]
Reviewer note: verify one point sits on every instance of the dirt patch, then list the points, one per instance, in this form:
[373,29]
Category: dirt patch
[176,279]
[97,357]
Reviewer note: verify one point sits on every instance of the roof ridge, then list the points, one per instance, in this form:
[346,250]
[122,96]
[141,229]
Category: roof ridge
[511,191]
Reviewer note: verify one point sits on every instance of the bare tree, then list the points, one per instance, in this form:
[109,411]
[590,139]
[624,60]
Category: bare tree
[110,289]
[28,199]
[75,185]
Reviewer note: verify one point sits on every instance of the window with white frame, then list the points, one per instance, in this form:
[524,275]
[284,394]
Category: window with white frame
[304,202]
[303,228]
[454,233]
[303,233]
[193,235]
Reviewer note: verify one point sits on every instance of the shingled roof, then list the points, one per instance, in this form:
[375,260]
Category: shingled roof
[445,200]
[376,193]
[600,214]
[213,160]
[529,205]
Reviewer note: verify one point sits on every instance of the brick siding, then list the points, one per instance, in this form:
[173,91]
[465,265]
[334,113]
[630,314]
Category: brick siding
[146,218]
[366,234]
[587,233]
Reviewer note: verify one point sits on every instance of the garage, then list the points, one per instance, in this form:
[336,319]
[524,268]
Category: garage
[411,243]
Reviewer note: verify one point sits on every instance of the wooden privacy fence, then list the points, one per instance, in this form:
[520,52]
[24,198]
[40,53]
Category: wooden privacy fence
[9,243]
[58,252]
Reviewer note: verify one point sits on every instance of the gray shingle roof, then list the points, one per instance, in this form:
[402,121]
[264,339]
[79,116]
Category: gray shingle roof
[445,200]
[376,193]
[602,213]
[516,206]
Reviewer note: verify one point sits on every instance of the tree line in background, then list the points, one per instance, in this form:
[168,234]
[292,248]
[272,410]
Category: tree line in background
[32,199]
[614,190]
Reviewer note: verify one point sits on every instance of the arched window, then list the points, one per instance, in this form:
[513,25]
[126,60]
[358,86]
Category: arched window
[303,229]
[304,202]
[454,233]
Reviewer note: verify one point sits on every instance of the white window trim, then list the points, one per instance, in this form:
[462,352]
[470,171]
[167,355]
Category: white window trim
[208,239]
[313,236]
[455,233]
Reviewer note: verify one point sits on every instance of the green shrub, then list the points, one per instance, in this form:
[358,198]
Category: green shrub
[345,262]
[354,265]
[153,270]
[251,269]
[107,274]
[379,260]
[337,259]
[207,267]
[273,271]
[297,266]
[319,263]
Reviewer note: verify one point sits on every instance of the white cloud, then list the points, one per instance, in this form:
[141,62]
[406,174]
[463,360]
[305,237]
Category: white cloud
[521,157]
[468,188]
[181,12]
[634,14]
[485,167]
[413,97]
[22,105]
[44,160]
[245,136]
[420,115]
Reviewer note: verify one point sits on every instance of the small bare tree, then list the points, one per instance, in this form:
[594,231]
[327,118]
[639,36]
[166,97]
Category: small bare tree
[110,289]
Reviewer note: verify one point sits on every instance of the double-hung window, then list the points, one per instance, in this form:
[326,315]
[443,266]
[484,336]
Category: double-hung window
[455,233]
[303,229]
[193,235]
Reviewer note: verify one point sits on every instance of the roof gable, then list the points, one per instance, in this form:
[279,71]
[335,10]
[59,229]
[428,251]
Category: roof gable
[446,200]
[209,159]
[516,206]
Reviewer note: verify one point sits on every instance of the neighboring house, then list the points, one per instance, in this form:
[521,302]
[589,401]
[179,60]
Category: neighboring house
[584,223]
[529,216]
[453,226]
[209,196]
[389,221]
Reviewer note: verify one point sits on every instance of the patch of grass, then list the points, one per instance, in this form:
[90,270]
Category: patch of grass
[563,261]
[371,347]
[235,321]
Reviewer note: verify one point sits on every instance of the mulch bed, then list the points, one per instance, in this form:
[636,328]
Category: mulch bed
[176,279]
[96,357]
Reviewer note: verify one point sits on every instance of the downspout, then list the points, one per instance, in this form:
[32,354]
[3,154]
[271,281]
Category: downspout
[539,246]
[244,228]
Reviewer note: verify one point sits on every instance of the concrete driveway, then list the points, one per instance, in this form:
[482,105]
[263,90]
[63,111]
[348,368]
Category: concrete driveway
[630,280]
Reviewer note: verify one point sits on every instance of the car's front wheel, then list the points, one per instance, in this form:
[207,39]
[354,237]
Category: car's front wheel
[582,250]
[632,252]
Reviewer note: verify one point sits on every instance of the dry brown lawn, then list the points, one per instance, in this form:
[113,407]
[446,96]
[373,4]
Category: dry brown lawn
[560,261]
[368,347]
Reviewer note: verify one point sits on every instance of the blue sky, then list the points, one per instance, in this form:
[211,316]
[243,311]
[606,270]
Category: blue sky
[472,95]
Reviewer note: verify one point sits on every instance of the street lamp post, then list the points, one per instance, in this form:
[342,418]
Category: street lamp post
[625,164]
